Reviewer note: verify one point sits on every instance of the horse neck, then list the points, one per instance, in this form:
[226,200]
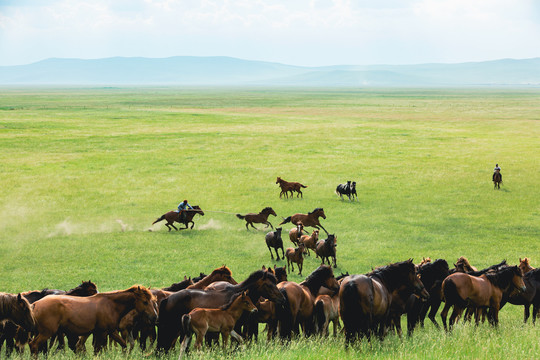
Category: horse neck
[387,278]
[6,301]
[124,301]
[313,285]
[502,279]
[235,310]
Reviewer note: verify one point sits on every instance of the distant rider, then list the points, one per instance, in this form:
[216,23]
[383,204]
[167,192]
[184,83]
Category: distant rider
[496,170]
[182,210]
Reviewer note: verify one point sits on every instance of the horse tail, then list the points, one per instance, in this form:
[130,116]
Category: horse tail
[186,327]
[284,317]
[451,295]
[304,186]
[159,219]
[286,220]
[320,316]
[240,216]
[350,309]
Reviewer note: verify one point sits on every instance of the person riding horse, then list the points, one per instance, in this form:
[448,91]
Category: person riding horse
[497,170]
[182,210]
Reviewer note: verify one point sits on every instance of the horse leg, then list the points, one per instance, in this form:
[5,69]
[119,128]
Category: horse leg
[335,262]
[175,228]
[444,314]
[282,253]
[253,226]
[192,224]
[526,312]
[434,308]
[321,228]
[456,314]
[271,255]
[168,226]
[247,224]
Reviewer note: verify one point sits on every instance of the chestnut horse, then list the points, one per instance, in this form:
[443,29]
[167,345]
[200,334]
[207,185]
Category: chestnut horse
[99,314]
[460,290]
[290,187]
[261,217]
[525,265]
[173,216]
[310,242]
[259,283]
[300,301]
[221,320]
[295,256]
[365,300]
[309,219]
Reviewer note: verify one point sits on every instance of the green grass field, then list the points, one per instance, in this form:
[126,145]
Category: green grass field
[74,161]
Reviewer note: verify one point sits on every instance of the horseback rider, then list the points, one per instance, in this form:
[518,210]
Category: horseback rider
[496,170]
[182,207]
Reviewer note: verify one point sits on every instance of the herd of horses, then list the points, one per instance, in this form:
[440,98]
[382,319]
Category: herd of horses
[368,305]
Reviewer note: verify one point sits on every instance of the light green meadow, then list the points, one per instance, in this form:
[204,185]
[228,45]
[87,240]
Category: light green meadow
[78,165]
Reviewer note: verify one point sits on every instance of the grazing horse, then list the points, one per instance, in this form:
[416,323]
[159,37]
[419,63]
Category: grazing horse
[531,295]
[432,275]
[497,180]
[364,300]
[300,301]
[173,216]
[261,217]
[179,285]
[221,320]
[99,314]
[346,189]
[326,249]
[273,239]
[295,256]
[221,274]
[309,219]
[460,290]
[259,283]
[310,242]
[525,265]
[296,233]
[290,187]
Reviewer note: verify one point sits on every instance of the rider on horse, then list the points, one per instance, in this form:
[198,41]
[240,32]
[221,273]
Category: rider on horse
[496,170]
[182,210]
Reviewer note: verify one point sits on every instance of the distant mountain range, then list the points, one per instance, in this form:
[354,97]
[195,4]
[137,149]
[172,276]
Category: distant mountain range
[200,71]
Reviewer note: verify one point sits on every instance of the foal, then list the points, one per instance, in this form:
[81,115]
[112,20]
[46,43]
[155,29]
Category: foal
[295,256]
[296,233]
[310,242]
[221,320]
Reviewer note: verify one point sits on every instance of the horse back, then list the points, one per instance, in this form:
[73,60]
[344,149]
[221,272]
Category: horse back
[77,314]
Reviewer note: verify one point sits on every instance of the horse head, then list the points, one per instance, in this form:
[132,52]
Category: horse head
[268,210]
[145,302]
[21,312]
[198,210]
[414,280]
[278,180]
[266,287]
[517,279]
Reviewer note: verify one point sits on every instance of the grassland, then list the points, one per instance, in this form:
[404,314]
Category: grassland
[73,161]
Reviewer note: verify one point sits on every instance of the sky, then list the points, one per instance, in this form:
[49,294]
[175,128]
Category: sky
[295,32]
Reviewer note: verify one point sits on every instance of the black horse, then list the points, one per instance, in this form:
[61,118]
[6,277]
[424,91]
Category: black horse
[531,295]
[273,239]
[345,189]
[259,283]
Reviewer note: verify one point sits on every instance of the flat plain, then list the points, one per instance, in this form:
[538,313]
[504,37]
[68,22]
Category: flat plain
[85,171]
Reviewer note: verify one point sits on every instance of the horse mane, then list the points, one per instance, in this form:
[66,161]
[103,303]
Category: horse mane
[138,290]
[268,208]
[179,285]
[8,302]
[491,268]
[315,280]
[257,275]
[392,274]
[503,277]
[314,211]
[535,274]
[439,264]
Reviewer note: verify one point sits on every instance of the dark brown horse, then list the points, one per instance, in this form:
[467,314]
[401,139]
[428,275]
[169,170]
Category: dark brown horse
[326,249]
[309,219]
[179,285]
[300,301]
[99,314]
[287,187]
[497,180]
[173,216]
[273,240]
[365,300]
[261,218]
[486,291]
[259,283]
[17,309]
[531,295]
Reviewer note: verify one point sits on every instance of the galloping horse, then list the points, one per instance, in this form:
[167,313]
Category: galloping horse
[326,249]
[287,186]
[99,314]
[460,290]
[497,180]
[259,283]
[261,217]
[173,216]
[300,301]
[309,219]
[364,300]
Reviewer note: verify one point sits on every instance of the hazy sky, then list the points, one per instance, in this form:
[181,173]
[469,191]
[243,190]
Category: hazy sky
[298,32]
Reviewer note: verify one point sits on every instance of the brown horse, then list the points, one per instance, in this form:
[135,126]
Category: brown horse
[327,310]
[309,219]
[326,249]
[287,187]
[295,256]
[497,180]
[365,300]
[300,301]
[296,232]
[173,216]
[273,240]
[310,242]
[17,309]
[525,265]
[485,291]
[99,314]
[221,320]
[221,274]
[261,217]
